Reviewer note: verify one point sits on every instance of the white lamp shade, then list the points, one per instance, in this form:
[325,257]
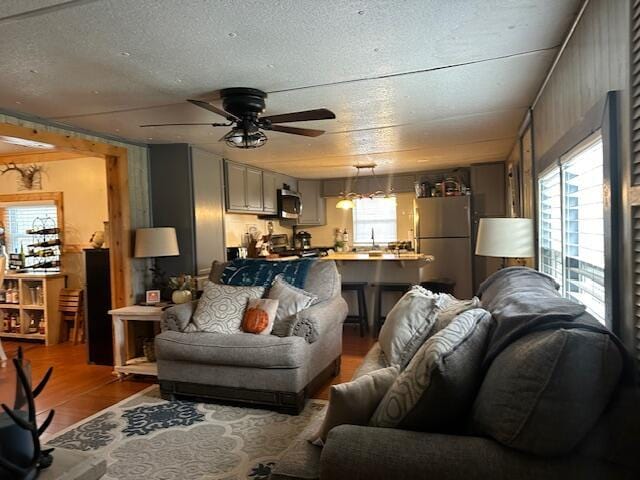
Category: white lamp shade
[505,237]
[156,242]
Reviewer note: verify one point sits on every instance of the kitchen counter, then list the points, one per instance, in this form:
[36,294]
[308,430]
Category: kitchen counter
[402,257]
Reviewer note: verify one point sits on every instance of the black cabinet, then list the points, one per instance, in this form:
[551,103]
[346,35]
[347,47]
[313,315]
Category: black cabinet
[97,306]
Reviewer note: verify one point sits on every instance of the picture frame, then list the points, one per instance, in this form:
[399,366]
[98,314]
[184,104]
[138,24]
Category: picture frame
[152,297]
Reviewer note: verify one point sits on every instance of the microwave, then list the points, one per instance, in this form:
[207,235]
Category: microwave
[289,204]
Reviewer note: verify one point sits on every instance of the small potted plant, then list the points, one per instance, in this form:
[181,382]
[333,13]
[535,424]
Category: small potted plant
[183,287]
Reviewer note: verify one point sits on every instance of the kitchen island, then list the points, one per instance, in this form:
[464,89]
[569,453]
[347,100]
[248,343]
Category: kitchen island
[380,267]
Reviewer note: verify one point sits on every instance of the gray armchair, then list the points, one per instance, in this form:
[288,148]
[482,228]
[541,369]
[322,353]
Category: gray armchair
[265,370]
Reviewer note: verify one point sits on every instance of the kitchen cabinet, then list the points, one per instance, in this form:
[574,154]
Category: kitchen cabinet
[488,200]
[313,204]
[333,187]
[255,200]
[236,186]
[270,192]
[186,193]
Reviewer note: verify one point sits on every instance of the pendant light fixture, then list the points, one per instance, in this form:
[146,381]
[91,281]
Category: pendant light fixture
[346,201]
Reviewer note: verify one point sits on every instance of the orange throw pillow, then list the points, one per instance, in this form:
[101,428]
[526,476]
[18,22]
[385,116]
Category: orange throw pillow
[259,316]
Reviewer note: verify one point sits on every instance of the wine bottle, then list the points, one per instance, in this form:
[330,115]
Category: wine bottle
[46,243]
[44,231]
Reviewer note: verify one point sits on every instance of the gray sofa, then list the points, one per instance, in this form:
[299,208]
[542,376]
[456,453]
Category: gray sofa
[607,449]
[265,370]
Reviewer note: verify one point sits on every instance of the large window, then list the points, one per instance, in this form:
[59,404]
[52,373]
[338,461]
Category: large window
[571,225]
[374,217]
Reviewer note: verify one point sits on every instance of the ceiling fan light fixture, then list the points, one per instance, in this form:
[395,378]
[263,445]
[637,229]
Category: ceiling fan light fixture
[241,138]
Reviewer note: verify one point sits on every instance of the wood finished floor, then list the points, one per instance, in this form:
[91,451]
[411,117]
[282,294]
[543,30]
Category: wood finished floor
[77,390]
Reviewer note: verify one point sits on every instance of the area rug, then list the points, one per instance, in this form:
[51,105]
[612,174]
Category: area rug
[145,437]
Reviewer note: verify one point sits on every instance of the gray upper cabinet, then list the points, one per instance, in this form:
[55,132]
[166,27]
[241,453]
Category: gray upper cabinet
[255,201]
[333,187]
[270,190]
[313,204]
[401,183]
[286,180]
[236,182]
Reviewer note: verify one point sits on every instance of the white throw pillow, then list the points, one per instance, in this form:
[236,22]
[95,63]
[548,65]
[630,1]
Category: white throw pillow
[408,324]
[452,307]
[291,300]
[221,308]
[353,403]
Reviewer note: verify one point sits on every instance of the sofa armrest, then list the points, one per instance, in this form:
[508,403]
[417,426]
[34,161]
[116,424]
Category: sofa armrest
[177,318]
[355,452]
[326,315]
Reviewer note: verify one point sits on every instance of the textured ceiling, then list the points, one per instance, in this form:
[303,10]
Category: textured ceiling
[415,84]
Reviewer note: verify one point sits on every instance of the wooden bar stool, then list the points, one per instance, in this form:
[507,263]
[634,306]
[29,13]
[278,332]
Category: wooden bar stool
[381,288]
[362,318]
[70,308]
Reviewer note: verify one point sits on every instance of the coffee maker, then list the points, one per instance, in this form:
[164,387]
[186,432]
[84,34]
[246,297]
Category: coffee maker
[302,240]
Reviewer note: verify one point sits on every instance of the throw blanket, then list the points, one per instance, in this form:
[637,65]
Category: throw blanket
[260,273]
[523,301]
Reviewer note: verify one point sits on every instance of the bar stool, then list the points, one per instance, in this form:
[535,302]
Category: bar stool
[381,288]
[362,318]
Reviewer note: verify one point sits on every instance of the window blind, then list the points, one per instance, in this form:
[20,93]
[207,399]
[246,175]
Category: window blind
[550,224]
[377,214]
[583,215]
[19,219]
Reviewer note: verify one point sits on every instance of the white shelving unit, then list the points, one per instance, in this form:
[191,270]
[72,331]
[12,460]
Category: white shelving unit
[51,284]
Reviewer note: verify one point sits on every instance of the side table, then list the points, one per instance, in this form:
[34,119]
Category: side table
[122,344]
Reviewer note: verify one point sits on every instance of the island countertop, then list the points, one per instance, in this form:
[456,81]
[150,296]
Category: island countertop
[388,257]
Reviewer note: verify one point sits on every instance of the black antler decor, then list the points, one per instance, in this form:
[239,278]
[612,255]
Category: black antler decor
[39,458]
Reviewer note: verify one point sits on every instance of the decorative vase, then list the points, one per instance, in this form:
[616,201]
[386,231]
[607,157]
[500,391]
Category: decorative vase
[181,296]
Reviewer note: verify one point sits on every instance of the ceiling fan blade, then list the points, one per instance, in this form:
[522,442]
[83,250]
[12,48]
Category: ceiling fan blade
[306,132]
[214,109]
[317,114]
[181,124]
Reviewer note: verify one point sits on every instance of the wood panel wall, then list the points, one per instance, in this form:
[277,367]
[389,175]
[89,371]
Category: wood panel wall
[595,62]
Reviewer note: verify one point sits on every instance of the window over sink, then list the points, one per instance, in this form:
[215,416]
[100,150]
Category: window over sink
[377,218]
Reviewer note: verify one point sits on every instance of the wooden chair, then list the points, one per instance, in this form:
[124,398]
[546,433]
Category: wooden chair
[70,308]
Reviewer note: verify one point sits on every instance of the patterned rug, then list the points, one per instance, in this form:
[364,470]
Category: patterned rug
[147,437]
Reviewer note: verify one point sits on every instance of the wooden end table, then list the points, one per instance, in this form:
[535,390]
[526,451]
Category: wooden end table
[122,343]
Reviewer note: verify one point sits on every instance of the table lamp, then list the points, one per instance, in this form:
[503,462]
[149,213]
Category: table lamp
[153,243]
[505,238]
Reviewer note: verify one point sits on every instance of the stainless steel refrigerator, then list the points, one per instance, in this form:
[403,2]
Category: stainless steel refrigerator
[443,229]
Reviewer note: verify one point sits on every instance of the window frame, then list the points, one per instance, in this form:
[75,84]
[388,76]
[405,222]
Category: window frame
[32,197]
[607,131]
[354,221]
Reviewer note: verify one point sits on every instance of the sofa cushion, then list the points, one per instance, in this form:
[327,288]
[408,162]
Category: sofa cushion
[259,316]
[436,390]
[544,392]
[215,274]
[373,360]
[242,349]
[178,317]
[323,280]
[221,308]
[353,403]
[408,324]
[452,307]
[261,273]
[291,300]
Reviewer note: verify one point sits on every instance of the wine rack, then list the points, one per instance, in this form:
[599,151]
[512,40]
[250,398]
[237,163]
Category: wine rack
[44,252]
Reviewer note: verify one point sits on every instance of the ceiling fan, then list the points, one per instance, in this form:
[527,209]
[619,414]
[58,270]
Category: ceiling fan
[242,107]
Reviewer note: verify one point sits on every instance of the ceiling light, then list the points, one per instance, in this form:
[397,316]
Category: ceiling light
[125,54]
[18,102]
[23,142]
[245,138]
[360,12]
[345,204]
[271,65]
[95,92]
[233,34]
[33,70]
